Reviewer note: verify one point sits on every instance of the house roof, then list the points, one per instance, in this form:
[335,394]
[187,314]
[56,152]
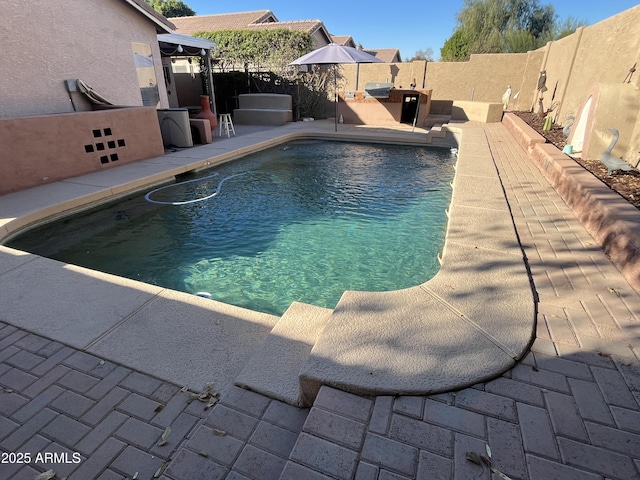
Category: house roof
[163,25]
[387,55]
[222,21]
[308,26]
[256,20]
[346,40]
[265,19]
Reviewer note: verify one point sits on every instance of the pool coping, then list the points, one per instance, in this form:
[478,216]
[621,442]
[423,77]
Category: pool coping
[373,343]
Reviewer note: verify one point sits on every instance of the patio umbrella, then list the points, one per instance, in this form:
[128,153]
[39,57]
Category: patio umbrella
[334,54]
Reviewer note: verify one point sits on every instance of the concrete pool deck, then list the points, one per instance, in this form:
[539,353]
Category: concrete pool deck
[569,410]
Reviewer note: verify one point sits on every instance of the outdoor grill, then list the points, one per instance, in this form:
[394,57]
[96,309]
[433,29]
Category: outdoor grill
[377,90]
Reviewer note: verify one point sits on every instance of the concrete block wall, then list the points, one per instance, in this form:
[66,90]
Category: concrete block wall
[602,53]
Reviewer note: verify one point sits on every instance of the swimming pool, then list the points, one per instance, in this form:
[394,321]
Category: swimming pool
[304,221]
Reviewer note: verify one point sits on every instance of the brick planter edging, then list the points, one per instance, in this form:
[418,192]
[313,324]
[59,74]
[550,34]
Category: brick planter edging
[609,218]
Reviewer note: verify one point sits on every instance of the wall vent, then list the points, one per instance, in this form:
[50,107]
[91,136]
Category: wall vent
[106,144]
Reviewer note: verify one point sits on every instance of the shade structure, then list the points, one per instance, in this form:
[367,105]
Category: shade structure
[334,54]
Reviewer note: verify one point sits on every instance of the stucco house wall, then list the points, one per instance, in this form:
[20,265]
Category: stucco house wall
[48,41]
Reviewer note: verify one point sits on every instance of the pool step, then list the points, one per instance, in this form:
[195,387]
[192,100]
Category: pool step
[439,136]
[433,120]
[274,368]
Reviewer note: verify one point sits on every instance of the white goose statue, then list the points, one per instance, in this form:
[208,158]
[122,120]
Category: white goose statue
[506,97]
[567,128]
[613,163]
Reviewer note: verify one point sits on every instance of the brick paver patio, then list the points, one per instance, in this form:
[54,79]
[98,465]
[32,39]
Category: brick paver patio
[570,410]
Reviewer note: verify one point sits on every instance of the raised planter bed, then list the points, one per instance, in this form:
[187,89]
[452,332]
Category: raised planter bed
[612,221]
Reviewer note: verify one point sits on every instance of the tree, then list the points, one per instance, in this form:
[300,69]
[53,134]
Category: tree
[456,48]
[567,27]
[270,50]
[486,22]
[519,41]
[424,55]
[263,54]
[171,8]
[495,26]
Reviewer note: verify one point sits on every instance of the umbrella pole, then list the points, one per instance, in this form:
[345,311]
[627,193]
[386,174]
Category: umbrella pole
[415,117]
[335,95]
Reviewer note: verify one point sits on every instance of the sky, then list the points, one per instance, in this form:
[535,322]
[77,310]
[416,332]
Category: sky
[407,26]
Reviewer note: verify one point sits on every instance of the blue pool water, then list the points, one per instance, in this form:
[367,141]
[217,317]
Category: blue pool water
[303,222]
